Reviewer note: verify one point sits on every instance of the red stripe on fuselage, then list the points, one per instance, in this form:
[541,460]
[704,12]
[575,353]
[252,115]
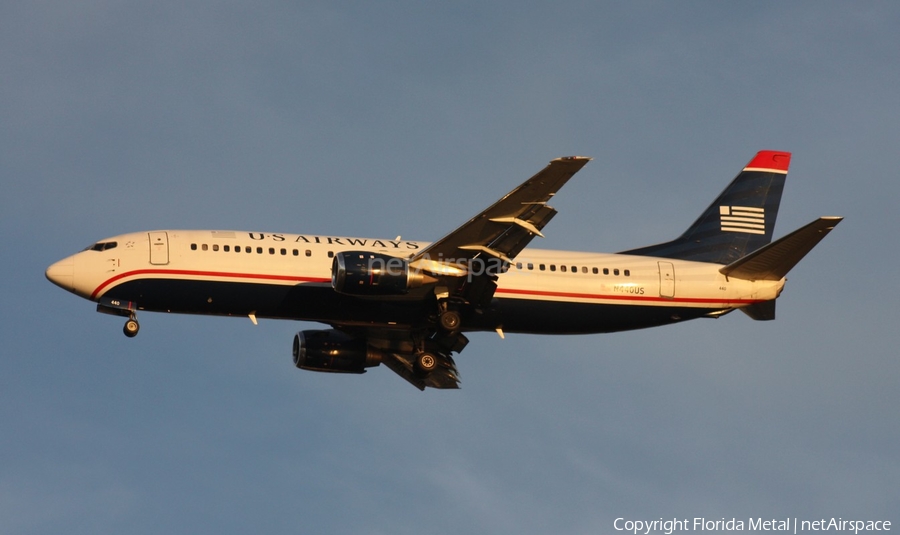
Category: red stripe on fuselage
[536,293]
[628,297]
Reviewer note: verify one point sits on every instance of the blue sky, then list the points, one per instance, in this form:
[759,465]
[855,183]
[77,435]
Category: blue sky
[402,118]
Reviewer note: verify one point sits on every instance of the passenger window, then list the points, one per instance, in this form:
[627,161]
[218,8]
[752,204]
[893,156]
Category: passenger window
[205,247]
[552,267]
[193,247]
[595,271]
[616,272]
[330,254]
[247,249]
[308,252]
[584,269]
[259,250]
[606,271]
[271,250]
[226,248]
[627,272]
[561,268]
[215,247]
[542,267]
[530,266]
[283,252]
[518,265]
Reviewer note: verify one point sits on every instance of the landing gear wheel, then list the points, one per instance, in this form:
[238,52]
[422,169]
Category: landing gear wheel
[131,328]
[426,362]
[450,320]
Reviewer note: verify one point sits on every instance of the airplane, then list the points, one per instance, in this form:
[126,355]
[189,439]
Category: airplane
[408,304]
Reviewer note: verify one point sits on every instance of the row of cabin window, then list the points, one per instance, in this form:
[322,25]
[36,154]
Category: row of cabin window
[296,252]
[248,249]
[573,269]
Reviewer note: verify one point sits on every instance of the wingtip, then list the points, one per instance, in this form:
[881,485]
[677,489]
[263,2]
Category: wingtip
[573,158]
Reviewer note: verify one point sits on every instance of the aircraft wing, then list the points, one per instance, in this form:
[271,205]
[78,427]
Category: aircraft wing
[464,266]
[487,243]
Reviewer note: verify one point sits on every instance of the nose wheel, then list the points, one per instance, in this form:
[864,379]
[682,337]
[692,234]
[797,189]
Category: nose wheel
[126,309]
[131,327]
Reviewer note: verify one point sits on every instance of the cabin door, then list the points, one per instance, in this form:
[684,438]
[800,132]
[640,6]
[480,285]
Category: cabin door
[666,280]
[159,248]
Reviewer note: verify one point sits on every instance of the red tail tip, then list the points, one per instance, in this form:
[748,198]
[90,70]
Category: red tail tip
[770,160]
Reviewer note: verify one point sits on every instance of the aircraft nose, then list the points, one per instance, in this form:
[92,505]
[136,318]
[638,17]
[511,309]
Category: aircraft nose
[62,274]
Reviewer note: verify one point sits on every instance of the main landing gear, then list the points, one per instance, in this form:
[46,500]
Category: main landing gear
[431,363]
[450,320]
[426,362]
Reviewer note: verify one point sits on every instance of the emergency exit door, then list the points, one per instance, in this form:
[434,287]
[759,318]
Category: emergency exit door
[666,280]
[159,248]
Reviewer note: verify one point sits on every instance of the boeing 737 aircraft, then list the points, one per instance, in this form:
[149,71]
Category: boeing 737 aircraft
[407,304]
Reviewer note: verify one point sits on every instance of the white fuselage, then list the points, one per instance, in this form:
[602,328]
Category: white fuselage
[174,270]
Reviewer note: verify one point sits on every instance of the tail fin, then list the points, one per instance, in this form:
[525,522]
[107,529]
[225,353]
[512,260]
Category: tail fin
[739,221]
[773,261]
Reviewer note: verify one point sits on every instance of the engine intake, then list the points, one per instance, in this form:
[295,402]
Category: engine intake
[368,273]
[333,351]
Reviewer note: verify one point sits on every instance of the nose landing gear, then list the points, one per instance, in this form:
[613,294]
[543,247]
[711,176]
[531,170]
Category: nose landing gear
[117,307]
[131,327]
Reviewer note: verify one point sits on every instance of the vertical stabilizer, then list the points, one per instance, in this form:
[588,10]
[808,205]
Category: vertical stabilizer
[739,221]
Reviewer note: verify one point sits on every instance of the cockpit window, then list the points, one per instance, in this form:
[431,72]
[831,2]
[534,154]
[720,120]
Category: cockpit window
[102,246]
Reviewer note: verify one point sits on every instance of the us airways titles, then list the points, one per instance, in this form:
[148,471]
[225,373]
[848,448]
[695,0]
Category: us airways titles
[332,240]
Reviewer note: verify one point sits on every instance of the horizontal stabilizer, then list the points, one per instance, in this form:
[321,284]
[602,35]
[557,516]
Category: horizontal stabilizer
[764,311]
[773,261]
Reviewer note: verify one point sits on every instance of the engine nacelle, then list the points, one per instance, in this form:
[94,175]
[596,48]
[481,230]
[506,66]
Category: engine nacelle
[368,273]
[333,351]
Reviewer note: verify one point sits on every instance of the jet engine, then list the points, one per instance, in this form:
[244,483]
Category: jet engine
[333,351]
[368,273]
